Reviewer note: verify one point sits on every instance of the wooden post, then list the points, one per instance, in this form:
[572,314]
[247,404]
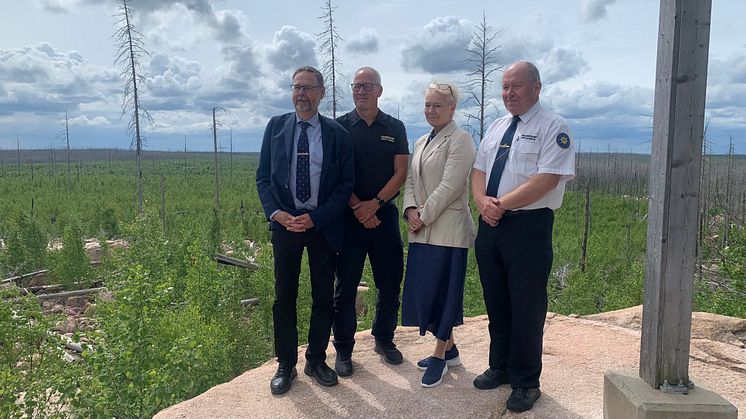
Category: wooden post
[675,164]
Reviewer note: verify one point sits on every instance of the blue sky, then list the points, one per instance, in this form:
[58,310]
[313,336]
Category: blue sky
[597,59]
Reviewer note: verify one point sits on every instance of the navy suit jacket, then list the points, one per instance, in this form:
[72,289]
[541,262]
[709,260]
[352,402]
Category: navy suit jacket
[337,175]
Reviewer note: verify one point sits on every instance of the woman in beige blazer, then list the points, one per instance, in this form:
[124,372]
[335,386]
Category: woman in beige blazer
[436,202]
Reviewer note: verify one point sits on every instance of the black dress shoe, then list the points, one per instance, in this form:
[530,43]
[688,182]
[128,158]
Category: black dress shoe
[281,381]
[343,365]
[389,352]
[321,372]
[491,379]
[523,399]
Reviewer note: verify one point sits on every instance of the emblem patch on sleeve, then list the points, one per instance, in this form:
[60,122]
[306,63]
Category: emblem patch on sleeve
[563,140]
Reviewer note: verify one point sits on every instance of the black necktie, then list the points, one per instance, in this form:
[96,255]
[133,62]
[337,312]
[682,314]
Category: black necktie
[303,172]
[501,157]
[430,138]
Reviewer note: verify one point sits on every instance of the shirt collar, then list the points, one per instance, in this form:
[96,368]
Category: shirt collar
[314,121]
[355,117]
[530,113]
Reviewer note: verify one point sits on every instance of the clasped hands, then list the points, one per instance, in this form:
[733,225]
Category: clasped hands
[413,219]
[490,210]
[365,213]
[292,223]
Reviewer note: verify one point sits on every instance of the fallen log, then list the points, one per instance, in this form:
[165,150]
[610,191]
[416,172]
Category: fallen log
[227,260]
[40,289]
[24,276]
[44,297]
[250,302]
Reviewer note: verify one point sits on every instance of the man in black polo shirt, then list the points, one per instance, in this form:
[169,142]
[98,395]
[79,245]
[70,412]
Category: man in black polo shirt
[371,221]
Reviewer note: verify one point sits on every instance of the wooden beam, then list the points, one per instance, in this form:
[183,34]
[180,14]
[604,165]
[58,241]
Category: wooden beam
[250,302]
[24,276]
[227,260]
[678,126]
[44,297]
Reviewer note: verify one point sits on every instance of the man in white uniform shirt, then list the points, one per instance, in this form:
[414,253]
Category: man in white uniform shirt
[518,180]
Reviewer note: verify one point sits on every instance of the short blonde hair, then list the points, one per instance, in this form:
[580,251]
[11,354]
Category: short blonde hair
[445,88]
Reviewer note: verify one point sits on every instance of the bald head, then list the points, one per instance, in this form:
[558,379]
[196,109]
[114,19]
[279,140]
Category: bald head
[366,89]
[370,73]
[521,87]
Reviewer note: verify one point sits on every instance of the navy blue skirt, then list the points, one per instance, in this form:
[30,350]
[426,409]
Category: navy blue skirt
[434,289]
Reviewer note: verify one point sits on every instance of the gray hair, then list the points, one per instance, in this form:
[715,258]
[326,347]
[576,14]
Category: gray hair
[532,71]
[308,68]
[376,74]
[450,91]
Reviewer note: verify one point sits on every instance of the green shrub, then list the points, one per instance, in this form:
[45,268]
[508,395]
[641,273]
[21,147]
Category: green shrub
[35,381]
[172,331]
[26,246]
[109,224]
[71,266]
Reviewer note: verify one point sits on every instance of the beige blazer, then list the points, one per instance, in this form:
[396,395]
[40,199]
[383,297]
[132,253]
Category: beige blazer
[438,184]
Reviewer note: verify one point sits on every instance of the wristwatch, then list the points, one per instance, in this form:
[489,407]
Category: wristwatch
[380,200]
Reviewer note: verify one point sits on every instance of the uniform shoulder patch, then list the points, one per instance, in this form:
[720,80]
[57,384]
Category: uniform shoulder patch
[563,140]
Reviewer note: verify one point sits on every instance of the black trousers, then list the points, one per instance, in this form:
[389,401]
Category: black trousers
[514,260]
[288,253]
[383,246]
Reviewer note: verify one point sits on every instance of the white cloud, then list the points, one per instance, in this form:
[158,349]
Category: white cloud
[605,113]
[222,53]
[363,42]
[596,99]
[290,49]
[84,121]
[595,10]
[438,47]
[175,29]
[726,90]
[228,25]
[44,79]
[56,6]
[172,82]
[561,63]
[521,47]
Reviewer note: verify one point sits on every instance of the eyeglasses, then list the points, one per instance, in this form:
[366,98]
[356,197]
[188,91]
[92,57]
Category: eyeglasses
[365,86]
[303,88]
[444,88]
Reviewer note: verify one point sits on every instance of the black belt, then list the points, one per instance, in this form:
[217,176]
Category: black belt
[515,213]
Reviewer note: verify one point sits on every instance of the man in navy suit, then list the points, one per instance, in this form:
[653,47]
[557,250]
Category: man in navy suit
[305,178]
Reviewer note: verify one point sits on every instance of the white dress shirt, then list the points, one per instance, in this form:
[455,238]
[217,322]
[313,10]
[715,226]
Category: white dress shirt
[541,144]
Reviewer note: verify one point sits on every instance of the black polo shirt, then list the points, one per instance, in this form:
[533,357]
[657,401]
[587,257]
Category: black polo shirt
[374,147]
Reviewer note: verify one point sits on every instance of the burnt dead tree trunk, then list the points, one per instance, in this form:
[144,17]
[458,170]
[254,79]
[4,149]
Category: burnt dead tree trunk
[727,206]
[130,49]
[67,146]
[215,124]
[328,41]
[586,229]
[482,63]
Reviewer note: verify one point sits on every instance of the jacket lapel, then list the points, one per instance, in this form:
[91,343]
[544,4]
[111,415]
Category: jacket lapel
[439,139]
[327,143]
[289,131]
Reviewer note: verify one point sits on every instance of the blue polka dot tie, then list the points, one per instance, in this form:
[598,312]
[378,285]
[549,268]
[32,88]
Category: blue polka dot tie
[303,173]
[501,157]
